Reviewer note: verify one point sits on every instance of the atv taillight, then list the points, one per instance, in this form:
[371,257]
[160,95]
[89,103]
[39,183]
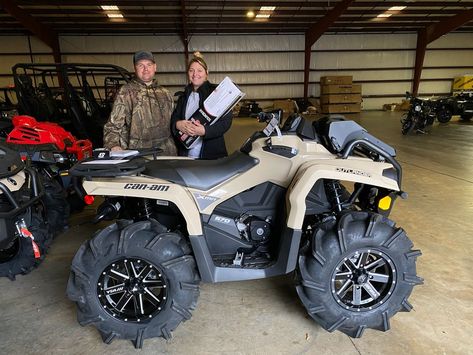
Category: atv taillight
[88,200]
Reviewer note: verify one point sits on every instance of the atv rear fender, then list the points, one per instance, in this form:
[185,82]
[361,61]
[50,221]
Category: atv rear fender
[156,189]
[360,170]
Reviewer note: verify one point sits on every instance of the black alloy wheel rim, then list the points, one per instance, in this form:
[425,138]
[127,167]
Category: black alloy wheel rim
[364,280]
[10,252]
[132,290]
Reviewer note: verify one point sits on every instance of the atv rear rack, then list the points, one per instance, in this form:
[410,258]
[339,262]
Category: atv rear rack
[108,168]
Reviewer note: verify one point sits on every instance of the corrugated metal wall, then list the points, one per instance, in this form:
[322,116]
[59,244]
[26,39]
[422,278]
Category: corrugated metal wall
[271,67]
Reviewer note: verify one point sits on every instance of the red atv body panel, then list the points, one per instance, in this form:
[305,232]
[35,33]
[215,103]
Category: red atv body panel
[28,131]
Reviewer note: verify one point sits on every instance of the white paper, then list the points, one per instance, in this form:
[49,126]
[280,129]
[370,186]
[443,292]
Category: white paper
[223,98]
[123,153]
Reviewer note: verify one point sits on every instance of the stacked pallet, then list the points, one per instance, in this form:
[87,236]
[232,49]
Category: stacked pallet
[339,95]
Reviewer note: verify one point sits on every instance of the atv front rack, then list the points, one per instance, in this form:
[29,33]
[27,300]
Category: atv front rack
[351,146]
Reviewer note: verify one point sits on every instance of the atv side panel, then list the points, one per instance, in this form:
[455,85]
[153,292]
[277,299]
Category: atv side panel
[285,263]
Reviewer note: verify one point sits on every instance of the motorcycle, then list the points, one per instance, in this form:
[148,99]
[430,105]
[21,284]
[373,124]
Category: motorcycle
[420,117]
[312,199]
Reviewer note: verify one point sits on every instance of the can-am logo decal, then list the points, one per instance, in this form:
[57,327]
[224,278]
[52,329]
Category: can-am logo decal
[150,187]
[353,171]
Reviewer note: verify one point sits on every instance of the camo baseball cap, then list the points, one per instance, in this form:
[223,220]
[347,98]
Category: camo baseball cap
[140,55]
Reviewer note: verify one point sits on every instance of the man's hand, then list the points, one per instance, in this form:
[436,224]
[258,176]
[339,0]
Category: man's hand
[117,148]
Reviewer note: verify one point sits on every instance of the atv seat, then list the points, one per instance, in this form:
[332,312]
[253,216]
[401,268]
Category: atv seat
[200,174]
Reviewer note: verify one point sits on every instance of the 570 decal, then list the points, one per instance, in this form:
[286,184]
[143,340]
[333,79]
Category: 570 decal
[150,187]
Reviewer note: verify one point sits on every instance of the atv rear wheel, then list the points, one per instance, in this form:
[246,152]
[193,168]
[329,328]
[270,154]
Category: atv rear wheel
[357,273]
[134,281]
[19,257]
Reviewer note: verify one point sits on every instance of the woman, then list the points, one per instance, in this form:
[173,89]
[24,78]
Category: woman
[211,144]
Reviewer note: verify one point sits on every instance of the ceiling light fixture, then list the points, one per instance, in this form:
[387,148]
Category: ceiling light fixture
[397,8]
[262,16]
[250,14]
[384,15]
[109,7]
[267,8]
[115,15]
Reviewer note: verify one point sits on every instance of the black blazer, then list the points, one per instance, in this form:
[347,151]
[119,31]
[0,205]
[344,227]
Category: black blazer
[213,143]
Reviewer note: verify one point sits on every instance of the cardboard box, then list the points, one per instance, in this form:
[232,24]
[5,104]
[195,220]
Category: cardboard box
[341,108]
[287,107]
[340,98]
[464,82]
[336,80]
[341,89]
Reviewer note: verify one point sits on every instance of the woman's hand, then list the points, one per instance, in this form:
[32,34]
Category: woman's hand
[191,127]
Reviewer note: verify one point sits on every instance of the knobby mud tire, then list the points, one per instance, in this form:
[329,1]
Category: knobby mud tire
[148,241]
[24,260]
[56,206]
[328,249]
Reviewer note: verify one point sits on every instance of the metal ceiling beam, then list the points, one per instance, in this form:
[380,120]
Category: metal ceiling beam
[185,34]
[242,4]
[430,34]
[43,32]
[315,31]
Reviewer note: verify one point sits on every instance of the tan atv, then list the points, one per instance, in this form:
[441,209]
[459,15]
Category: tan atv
[309,198]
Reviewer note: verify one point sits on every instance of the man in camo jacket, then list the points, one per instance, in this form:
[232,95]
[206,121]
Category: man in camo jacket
[141,113]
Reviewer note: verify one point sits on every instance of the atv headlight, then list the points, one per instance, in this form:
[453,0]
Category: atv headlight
[417,108]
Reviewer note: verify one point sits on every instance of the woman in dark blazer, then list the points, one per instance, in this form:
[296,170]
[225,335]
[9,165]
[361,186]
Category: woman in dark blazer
[211,144]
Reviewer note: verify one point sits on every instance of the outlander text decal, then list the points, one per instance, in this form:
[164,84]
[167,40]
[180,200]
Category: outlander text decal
[353,171]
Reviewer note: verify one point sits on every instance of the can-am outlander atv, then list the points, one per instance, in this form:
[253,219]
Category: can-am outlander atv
[309,198]
[24,232]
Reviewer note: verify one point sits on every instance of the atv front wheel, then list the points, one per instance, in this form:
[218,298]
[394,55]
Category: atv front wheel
[357,273]
[19,256]
[134,281]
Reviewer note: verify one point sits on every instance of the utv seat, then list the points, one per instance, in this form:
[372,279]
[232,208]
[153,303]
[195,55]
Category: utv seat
[200,174]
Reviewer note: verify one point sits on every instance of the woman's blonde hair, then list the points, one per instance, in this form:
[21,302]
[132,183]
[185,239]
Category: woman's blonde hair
[198,58]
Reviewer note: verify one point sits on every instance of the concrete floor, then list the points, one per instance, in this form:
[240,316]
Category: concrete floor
[265,316]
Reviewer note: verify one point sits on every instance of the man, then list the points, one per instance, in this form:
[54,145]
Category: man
[141,113]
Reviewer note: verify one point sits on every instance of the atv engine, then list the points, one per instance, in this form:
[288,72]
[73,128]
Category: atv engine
[254,229]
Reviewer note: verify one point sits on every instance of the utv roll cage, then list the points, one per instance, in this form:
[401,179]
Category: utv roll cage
[77,96]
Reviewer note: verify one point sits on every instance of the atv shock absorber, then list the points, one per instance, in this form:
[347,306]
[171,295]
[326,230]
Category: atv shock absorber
[145,208]
[334,190]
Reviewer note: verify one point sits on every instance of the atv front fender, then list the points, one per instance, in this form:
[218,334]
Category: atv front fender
[360,170]
[155,189]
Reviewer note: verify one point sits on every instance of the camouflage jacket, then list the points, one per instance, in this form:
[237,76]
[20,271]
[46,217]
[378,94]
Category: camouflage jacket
[140,118]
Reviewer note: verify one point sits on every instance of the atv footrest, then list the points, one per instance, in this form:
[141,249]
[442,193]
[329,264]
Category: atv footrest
[248,262]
